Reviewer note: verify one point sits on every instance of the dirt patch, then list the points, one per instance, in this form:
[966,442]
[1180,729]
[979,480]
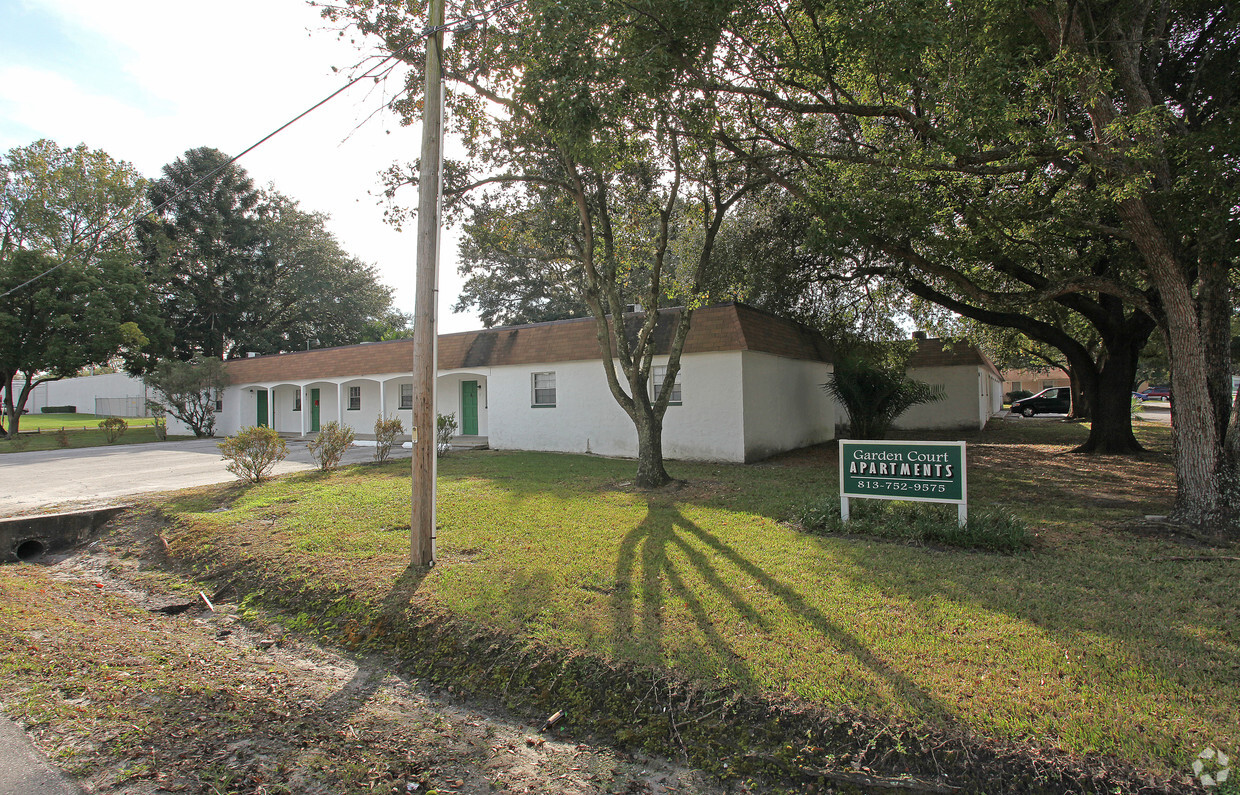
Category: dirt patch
[133,700]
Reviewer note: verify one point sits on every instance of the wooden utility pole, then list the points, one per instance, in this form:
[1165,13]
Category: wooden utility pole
[425,326]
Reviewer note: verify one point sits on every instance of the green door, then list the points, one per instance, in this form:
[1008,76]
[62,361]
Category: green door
[469,408]
[314,410]
[262,408]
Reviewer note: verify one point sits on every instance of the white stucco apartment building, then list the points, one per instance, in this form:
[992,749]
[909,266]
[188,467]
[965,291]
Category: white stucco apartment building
[749,387]
[960,370]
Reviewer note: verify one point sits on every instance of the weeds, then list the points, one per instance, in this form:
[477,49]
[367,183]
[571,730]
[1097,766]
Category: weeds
[987,529]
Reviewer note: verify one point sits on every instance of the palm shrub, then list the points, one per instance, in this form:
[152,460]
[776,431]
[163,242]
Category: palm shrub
[386,434]
[875,393]
[328,448]
[253,452]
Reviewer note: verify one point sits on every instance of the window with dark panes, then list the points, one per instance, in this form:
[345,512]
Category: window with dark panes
[658,374]
[355,398]
[544,389]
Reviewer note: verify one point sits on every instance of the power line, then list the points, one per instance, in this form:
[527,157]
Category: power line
[466,23]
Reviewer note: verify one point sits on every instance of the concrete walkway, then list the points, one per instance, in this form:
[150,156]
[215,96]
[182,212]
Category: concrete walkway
[99,475]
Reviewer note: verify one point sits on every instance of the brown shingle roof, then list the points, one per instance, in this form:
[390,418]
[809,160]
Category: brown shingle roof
[726,327]
[940,353]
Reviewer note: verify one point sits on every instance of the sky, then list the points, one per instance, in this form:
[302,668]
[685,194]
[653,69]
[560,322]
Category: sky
[146,80]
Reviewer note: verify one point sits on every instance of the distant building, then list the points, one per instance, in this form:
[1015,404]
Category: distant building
[973,385]
[1034,380]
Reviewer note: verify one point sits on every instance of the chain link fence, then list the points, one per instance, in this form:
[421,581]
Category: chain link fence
[131,406]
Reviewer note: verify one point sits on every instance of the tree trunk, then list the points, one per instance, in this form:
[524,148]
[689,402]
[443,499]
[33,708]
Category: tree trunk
[650,471]
[12,413]
[1111,430]
[1193,429]
[1214,295]
[1080,404]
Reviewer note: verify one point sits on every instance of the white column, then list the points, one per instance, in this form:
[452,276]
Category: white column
[305,406]
[271,408]
[382,400]
[340,404]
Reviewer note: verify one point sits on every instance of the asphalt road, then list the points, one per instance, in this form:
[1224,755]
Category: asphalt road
[23,770]
[100,475]
[1150,411]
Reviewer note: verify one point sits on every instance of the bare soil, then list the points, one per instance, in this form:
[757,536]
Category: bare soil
[130,700]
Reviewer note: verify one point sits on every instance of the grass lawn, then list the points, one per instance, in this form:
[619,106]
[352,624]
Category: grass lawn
[1099,640]
[54,422]
[41,431]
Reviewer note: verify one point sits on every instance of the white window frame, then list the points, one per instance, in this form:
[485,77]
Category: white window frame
[535,389]
[406,400]
[657,373]
[355,394]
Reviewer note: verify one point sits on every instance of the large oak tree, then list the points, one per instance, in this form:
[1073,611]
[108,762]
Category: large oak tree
[575,167]
[70,295]
[1014,151]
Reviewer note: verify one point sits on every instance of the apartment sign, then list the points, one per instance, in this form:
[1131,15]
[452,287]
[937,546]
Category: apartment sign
[903,470]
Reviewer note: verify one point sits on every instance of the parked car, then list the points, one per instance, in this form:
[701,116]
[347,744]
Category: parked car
[1157,393]
[1056,400]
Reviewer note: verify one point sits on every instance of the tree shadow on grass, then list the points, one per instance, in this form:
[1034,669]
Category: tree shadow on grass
[403,589]
[649,573]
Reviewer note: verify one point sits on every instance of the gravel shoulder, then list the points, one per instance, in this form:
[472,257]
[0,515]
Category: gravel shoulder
[126,699]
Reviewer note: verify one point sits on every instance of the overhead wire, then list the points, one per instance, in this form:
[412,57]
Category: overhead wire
[467,22]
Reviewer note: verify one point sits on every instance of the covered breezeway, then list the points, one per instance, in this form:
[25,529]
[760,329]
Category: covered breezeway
[301,408]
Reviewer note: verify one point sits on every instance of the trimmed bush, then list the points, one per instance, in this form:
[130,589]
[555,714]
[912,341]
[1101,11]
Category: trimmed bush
[253,452]
[113,428]
[328,448]
[58,410]
[445,429]
[1018,394]
[386,434]
[928,523]
[160,419]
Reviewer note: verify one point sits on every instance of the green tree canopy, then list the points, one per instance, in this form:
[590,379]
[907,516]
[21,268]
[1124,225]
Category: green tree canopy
[312,288]
[67,202]
[572,170]
[188,390]
[238,269]
[203,246]
[1002,154]
[74,316]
